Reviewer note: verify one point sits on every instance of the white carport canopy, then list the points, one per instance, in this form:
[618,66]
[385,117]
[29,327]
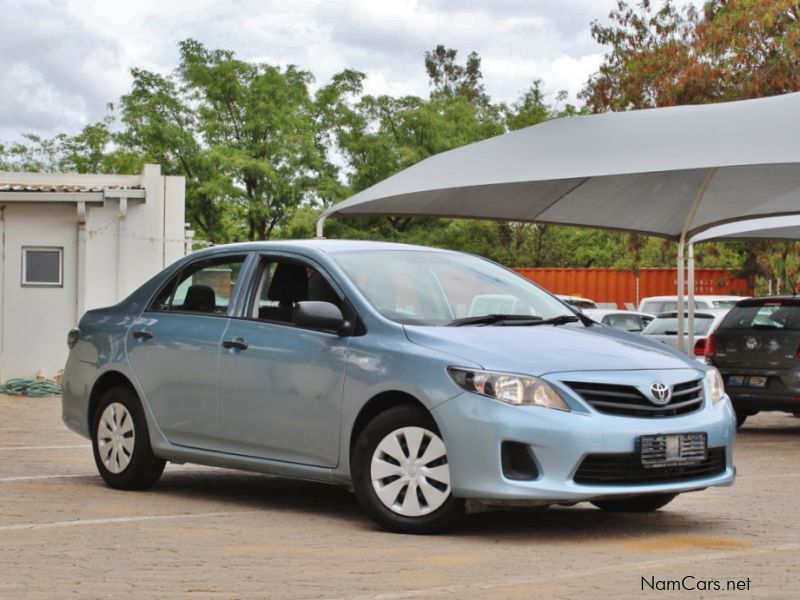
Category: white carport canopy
[769,228]
[671,172]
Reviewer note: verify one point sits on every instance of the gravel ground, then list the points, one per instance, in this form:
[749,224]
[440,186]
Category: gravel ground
[215,533]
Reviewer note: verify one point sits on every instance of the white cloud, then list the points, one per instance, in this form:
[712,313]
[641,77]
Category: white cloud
[62,61]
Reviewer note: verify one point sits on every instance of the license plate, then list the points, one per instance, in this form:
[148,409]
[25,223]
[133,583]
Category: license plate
[672,449]
[756,381]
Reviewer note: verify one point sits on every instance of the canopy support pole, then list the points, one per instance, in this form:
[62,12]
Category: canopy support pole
[701,191]
[321,228]
[690,301]
[681,290]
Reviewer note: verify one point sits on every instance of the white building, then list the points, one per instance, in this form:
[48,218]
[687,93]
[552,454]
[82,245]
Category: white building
[70,243]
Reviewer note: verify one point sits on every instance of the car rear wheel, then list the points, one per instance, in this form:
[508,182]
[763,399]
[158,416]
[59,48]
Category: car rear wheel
[647,503]
[121,443]
[401,474]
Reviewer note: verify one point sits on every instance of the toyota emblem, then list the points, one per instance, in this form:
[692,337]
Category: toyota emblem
[660,394]
[751,343]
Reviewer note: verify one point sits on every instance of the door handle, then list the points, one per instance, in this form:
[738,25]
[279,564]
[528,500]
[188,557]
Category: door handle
[237,343]
[143,334]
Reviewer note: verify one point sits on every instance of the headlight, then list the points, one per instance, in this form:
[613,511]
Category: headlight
[715,384]
[507,387]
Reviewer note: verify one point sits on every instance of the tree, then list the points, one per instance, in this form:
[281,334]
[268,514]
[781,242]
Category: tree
[92,150]
[249,137]
[664,56]
[730,50]
[450,79]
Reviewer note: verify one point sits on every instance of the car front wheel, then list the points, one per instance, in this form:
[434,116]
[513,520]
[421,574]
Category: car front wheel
[401,474]
[121,443]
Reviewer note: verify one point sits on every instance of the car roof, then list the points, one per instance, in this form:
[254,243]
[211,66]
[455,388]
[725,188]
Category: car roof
[697,297]
[702,312]
[602,312]
[762,300]
[322,245]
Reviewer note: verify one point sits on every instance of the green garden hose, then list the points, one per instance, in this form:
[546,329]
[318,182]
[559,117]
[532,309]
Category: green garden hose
[30,387]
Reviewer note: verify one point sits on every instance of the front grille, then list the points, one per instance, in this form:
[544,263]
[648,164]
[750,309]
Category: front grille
[625,400]
[612,469]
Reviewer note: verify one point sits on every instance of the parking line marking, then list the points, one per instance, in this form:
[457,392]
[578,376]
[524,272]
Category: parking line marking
[628,566]
[33,477]
[81,522]
[45,447]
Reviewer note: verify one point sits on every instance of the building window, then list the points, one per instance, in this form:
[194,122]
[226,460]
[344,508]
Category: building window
[43,266]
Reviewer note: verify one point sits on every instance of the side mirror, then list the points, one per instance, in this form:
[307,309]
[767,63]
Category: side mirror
[313,314]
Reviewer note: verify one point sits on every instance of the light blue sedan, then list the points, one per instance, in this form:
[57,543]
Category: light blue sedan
[421,378]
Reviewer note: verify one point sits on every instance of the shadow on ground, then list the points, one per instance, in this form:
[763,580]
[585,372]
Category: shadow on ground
[247,491]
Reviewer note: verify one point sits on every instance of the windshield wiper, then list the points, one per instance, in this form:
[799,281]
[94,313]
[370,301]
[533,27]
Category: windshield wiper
[493,319]
[559,320]
[501,320]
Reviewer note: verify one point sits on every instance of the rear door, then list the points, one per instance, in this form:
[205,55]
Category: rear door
[759,334]
[174,349]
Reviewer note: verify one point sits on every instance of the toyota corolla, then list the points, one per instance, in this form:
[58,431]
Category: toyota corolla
[420,378]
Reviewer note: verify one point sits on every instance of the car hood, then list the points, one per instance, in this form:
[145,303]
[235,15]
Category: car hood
[547,349]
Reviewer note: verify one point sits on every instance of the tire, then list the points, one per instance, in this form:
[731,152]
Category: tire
[121,442]
[647,503]
[382,482]
[741,418]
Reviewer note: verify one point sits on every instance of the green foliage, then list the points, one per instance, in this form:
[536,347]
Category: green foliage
[250,138]
[264,151]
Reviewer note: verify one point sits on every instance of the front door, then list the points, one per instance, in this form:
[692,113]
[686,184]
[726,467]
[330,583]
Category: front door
[280,389]
[174,350]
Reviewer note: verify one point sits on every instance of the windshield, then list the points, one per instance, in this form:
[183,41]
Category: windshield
[770,315]
[669,325]
[435,288]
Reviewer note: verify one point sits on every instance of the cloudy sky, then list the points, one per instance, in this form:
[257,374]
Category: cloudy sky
[64,60]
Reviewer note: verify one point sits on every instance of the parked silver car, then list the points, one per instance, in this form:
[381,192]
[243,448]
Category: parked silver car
[664,328]
[626,320]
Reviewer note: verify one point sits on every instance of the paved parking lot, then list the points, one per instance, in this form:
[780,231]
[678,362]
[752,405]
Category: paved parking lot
[213,533]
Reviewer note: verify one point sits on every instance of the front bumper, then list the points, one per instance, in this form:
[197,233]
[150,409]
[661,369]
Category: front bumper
[474,428]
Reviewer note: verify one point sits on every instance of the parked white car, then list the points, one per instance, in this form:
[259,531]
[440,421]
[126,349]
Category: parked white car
[655,305]
[664,328]
[625,320]
[578,302]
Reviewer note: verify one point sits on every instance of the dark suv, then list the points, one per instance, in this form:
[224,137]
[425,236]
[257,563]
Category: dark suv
[757,350]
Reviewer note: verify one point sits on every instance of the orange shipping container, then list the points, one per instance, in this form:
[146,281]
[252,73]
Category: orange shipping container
[621,287]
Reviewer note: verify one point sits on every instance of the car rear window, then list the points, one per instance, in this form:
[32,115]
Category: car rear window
[624,322]
[767,315]
[655,307]
[669,325]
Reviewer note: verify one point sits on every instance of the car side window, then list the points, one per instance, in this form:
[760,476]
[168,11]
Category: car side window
[203,287]
[283,283]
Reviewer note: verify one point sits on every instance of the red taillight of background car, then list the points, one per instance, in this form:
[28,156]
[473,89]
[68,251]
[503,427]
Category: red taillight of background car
[700,347]
[710,348]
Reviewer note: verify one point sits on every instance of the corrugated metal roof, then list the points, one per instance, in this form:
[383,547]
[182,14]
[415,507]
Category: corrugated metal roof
[49,187]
